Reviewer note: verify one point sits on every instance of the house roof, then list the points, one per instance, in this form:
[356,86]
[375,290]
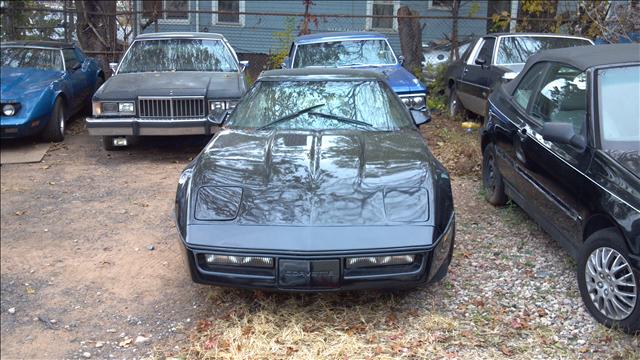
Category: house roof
[39,43]
[320,74]
[336,36]
[180,34]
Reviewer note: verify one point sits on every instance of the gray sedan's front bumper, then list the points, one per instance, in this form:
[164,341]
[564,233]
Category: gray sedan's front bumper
[149,127]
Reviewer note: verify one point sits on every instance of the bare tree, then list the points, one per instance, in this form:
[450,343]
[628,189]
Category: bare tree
[96,28]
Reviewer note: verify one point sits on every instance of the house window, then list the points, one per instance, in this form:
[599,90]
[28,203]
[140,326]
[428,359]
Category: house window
[382,8]
[440,4]
[230,12]
[171,11]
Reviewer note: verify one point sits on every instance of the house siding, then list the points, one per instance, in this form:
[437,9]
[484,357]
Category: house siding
[258,33]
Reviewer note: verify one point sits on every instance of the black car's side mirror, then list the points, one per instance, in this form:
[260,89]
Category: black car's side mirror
[420,117]
[563,133]
[480,61]
[218,116]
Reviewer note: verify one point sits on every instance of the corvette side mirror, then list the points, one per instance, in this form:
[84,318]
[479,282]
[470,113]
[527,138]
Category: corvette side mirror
[420,117]
[218,116]
[113,66]
[401,59]
[563,133]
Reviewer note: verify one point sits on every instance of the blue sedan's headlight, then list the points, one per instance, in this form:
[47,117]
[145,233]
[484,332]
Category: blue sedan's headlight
[9,109]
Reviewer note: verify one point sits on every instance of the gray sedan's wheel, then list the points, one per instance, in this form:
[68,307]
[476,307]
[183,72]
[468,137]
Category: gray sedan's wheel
[608,284]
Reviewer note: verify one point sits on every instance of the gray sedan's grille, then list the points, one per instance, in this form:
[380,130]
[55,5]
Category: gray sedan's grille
[174,108]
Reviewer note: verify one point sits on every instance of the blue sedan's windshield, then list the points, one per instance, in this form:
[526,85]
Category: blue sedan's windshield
[318,105]
[178,55]
[25,57]
[344,53]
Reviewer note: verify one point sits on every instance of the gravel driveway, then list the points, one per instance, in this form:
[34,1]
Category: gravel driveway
[90,267]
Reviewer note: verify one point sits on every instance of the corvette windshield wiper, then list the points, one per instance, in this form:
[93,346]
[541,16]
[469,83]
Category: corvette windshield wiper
[341,119]
[290,116]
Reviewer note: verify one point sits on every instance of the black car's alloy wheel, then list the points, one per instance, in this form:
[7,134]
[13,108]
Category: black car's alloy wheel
[491,178]
[54,131]
[608,284]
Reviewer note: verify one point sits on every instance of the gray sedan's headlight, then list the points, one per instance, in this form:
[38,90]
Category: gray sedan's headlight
[113,108]
[125,107]
[222,104]
[414,101]
[9,110]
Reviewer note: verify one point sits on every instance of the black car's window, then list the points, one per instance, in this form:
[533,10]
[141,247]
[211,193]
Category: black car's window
[486,51]
[70,58]
[618,94]
[178,55]
[322,103]
[344,53]
[525,89]
[517,49]
[562,97]
[23,57]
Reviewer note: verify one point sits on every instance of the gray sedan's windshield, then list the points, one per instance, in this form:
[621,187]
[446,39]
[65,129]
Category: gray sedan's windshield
[517,49]
[618,94]
[24,57]
[344,53]
[318,105]
[178,55]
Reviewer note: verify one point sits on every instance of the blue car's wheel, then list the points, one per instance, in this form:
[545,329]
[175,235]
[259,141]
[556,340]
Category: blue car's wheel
[54,131]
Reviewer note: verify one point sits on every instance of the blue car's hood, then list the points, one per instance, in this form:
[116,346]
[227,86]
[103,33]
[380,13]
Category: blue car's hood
[400,80]
[23,82]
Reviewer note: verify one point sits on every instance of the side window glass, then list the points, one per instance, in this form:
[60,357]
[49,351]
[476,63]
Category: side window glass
[486,51]
[70,58]
[562,97]
[525,90]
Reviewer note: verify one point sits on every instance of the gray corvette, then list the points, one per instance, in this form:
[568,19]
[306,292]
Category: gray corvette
[318,180]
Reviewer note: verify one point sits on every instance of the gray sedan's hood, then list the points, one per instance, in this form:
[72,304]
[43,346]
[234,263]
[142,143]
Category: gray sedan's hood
[209,84]
[314,178]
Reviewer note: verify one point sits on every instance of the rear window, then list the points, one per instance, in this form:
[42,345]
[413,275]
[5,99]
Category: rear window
[517,49]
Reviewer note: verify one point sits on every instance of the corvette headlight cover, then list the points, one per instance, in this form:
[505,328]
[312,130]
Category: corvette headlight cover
[218,203]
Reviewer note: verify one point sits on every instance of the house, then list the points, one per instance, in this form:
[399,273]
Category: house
[253,29]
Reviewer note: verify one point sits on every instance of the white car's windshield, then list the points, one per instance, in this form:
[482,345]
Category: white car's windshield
[178,55]
[344,53]
[318,105]
[38,58]
[517,49]
[618,94]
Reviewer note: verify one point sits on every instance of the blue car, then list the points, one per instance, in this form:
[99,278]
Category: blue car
[362,50]
[43,84]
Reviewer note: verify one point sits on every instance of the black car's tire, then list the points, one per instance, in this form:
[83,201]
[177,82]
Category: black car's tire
[455,107]
[491,178]
[54,131]
[596,282]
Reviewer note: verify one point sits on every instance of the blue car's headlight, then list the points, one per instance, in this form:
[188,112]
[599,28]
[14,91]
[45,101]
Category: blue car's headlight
[10,109]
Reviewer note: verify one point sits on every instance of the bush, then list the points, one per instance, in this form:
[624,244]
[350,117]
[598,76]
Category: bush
[437,83]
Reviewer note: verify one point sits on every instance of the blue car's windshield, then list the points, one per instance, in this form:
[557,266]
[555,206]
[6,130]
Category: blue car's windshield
[25,57]
[178,55]
[344,53]
[618,91]
[319,105]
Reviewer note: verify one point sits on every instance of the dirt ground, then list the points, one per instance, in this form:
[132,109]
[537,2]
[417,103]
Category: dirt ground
[91,267]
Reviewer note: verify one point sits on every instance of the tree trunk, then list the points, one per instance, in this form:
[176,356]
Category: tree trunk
[410,38]
[96,29]
[455,11]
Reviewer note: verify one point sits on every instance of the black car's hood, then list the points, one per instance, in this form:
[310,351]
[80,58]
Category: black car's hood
[314,178]
[210,84]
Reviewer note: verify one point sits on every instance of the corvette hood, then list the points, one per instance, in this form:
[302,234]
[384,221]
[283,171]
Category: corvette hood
[209,84]
[24,82]
[400,80]
[313,178]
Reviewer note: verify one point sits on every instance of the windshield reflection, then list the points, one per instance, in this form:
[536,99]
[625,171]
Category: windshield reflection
[178,55]
[45,59]
[517,49]
[344,53]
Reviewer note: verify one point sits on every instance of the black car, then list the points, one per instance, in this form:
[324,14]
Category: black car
[167,84]
[318,181]
[562,141]
[492,59]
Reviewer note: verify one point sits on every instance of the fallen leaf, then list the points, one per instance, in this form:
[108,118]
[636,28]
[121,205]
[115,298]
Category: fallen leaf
[505,350]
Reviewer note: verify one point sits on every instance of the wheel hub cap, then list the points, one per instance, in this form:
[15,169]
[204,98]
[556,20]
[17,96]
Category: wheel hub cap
[611,283]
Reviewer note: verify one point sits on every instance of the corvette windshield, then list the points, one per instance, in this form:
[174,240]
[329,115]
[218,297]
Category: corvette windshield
[619,115]
[23,57]
[344,53]
[178,55]
[318,105]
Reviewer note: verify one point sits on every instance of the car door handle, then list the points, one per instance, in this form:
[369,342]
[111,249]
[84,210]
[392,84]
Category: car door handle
[522,132]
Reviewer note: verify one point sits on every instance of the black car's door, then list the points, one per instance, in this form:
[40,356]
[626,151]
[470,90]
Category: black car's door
[474,83]
[555,171]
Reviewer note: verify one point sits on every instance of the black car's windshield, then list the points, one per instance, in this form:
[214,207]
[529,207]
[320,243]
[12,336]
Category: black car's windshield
[618,94]
[517,49]
[178,55]
[344,53]
[38,58]
[320,105]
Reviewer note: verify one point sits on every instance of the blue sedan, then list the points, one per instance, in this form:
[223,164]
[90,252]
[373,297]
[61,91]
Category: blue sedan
[43,84]
[360,50]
